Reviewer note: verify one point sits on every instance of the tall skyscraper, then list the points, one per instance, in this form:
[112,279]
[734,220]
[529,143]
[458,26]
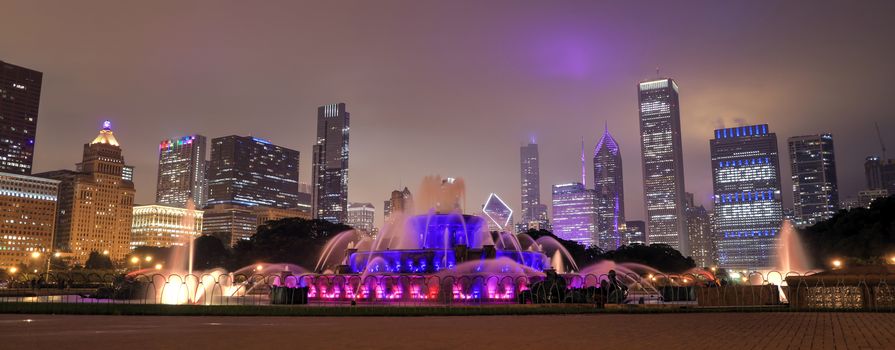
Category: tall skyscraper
[330,170]
[575,213]
[532,209]
[747,195]
[181,172]
[95,206]
[814,186]
[19,104]
[663,163]
[873,168]
[250,171]
[27,217]
[361,216]
[609,186]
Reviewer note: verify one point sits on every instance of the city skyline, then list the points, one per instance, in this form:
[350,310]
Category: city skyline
[72,103]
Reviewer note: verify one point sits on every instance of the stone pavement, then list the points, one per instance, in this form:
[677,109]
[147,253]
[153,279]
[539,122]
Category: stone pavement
[780,330]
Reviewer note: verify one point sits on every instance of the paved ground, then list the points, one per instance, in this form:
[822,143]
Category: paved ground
[614,331]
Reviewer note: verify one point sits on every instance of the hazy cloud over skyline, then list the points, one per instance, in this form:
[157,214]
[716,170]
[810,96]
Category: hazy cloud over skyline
[454,88]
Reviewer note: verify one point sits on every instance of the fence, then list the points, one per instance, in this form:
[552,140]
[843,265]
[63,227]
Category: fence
[845,292]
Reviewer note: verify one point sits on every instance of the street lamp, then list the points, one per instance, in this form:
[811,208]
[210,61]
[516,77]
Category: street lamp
[837,263]
[13,269]
[158,266]
[136,261]
[148,258]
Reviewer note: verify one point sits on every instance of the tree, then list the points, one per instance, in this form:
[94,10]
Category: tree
[291,240]
[659,256]
[97,261]
[209,252]
[861,235]
[583,255]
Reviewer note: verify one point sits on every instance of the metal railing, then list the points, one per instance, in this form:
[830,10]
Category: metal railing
[774,290]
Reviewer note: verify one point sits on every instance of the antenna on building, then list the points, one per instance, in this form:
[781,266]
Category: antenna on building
[657,72]
[881,144]
[583,168]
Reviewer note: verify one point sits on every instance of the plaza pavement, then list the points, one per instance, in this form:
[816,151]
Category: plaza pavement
[781,330]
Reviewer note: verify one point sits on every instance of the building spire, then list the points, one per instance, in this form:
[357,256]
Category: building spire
[583,167]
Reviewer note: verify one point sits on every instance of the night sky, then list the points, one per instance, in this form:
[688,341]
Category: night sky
[455,87]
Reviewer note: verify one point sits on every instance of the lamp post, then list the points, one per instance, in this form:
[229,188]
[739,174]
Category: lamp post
[136,261]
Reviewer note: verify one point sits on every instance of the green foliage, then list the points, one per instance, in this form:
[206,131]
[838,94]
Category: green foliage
[583,255]
[98,261]
[209,252]
[292,240]
[660,256]
[859,235]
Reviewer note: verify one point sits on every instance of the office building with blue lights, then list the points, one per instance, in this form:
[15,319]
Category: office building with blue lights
[815,190]
[249,171]
[575,213]
[747,196]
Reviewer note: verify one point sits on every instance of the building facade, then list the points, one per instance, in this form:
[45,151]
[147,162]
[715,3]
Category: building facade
[27,217]
[747,195]
[575,213]
[229,223]
[663,163]
[533,211]
[610,189]
[95,206]
[702,239]
[400,202]
[815,189]
[500,215]
[250,171]
[635,232]
[361,216]
[181,172]
[19,105]
[164,226]
[330,168]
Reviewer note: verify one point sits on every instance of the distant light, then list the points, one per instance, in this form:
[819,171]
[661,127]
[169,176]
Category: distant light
[158,266]
[259,267]
[105,252]
[107,125]
[35,255]
[135,260]
[13,269]
[837,263]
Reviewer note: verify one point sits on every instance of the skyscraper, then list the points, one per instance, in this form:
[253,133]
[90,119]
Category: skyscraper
[181,172]
[663,163]
[610,190]
[19,104]
[575,213]
[250,171]
[330,171]
[814,186]
[873,168]
[532,209]
[95,206]
[500,215]
[361,216]
[747,196]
